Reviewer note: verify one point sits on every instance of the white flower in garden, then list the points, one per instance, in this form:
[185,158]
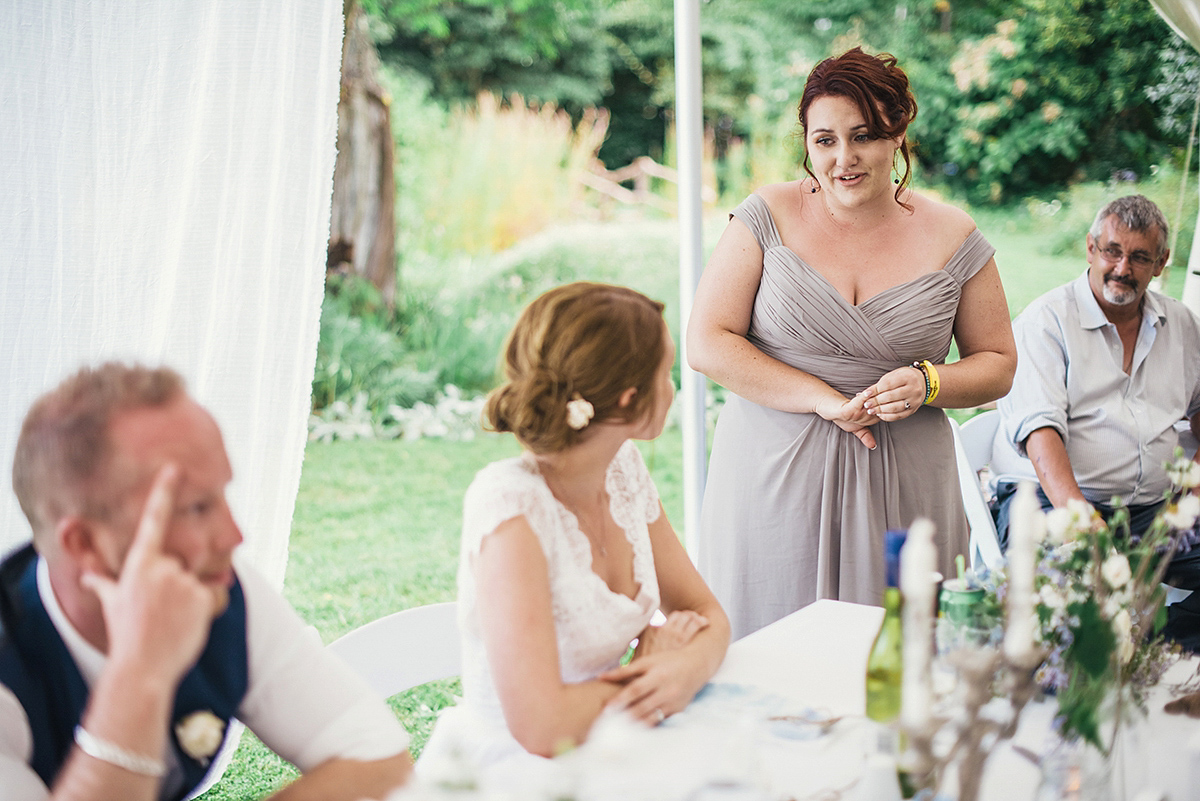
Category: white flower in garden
[1184,473]
[1123,629]
[1116,570]
[1183,514]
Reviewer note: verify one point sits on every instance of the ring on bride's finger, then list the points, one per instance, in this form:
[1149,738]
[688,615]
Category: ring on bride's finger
[659,717]
[907,405]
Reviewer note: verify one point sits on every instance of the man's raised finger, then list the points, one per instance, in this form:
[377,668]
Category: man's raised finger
[156,514]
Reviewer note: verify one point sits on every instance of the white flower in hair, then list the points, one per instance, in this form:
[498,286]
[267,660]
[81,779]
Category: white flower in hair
[579,412]
[200,734]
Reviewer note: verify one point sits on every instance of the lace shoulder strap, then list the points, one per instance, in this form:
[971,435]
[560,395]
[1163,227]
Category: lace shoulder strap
[632,489]
[501,491]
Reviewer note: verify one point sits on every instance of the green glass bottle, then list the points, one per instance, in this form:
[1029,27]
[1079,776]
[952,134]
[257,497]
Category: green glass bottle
[885,665]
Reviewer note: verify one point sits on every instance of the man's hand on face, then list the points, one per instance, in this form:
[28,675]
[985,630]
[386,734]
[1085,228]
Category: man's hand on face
[157,614]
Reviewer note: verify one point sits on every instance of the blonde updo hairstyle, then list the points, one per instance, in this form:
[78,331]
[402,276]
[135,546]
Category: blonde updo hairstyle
[583,339]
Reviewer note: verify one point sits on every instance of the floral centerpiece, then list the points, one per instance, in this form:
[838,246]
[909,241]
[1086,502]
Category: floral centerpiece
[1100,605]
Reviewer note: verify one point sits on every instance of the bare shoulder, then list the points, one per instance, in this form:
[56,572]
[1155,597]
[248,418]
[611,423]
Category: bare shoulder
[780,196]
[940,219]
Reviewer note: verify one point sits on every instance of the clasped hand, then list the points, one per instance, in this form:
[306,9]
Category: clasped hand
[661,678]
[895,396]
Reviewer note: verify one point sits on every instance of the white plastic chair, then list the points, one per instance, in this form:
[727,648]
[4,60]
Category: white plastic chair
[973,449]
[973,445]
[394,653]
[404,649]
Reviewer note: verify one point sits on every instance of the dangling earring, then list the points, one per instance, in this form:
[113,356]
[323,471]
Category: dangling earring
[814,189]
[895,168]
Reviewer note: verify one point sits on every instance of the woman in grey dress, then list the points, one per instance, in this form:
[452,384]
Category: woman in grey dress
[816,303]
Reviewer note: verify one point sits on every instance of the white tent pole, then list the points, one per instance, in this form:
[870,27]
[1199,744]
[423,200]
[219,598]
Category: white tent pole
[689,144]
[1184,17]
[1191,284]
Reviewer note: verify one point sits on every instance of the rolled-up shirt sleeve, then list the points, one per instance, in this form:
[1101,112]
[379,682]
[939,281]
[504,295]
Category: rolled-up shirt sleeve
[304,703]
[1038,398]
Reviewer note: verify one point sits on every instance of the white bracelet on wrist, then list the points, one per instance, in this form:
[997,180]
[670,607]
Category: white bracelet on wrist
[114,754]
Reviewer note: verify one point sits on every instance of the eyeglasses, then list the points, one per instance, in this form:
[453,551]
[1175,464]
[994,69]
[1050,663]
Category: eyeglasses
[1113,254]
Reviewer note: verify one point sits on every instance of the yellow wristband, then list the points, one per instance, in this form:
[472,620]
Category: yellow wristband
[935,383]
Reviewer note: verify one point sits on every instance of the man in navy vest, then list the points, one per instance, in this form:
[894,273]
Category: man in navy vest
[130,634]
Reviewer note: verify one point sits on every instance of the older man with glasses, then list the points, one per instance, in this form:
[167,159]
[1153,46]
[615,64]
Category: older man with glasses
[1106,368]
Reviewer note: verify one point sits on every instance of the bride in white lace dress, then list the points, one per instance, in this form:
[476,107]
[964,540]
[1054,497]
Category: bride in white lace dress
[566,549]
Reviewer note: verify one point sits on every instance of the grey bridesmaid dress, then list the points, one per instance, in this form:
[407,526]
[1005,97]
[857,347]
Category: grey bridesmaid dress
[795,509]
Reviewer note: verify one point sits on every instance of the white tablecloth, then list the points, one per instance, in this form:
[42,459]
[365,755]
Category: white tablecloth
[783,719]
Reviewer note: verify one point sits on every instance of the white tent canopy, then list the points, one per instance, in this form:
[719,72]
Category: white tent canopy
[165,181]
[1184,17]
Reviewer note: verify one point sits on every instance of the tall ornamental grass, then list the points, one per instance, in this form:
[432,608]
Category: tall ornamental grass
[497,172]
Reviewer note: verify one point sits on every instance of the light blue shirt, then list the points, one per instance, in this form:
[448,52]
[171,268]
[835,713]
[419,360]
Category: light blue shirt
[1118,429]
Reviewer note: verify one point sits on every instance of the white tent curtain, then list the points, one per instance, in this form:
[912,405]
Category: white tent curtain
[165,181]
[1184,17]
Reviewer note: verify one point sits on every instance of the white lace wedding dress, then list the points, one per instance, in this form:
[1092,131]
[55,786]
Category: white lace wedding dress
[593,625]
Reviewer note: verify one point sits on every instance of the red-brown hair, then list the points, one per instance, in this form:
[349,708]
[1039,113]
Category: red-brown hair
[880,90]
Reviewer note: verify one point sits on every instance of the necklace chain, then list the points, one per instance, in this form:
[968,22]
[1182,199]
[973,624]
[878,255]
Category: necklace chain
[600,529]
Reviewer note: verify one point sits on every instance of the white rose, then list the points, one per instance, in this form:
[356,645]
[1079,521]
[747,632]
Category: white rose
[1183,514]
[1052,597]
[1058,524]
[579,412]
[1123,628]
[1066,523]
[1116,570]
[1115,602]
[1184,473]
[200,734]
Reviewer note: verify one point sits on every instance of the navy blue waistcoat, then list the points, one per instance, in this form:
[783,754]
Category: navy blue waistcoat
[36,666]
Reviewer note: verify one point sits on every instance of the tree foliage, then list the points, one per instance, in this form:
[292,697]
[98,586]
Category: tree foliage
[618,54]
[1058,93]
[1015,96]
[1022,95]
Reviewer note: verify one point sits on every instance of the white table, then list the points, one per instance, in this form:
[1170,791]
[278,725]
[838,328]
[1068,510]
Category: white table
[812,663]
[818,657]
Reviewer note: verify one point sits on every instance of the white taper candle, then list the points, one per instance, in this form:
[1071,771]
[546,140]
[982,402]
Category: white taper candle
[918,560]
[1024,534]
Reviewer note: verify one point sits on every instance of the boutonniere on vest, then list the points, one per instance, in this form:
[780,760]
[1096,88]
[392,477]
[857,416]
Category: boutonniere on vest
[200,734]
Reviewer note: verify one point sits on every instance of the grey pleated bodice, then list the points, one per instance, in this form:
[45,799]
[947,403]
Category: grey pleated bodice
[795,509]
